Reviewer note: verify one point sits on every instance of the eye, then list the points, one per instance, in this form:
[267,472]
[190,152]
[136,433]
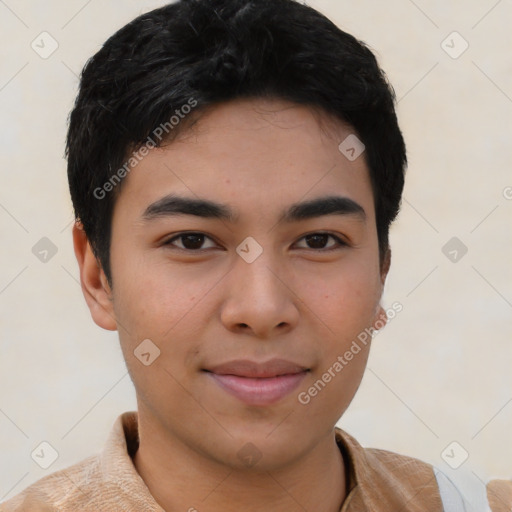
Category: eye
[190,241]
[194,241]
[318,241]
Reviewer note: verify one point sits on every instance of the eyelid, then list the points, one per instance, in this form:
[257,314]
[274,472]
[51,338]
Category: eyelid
[176,236]
[340,241]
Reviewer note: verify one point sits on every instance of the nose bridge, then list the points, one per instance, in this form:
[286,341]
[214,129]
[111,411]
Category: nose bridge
[257,269]
[257,296]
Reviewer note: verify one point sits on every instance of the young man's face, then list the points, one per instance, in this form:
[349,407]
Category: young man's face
[210,301]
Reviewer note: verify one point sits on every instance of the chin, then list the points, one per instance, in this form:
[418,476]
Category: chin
[262,449]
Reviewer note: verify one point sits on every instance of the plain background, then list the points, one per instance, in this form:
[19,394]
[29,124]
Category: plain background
[439,372]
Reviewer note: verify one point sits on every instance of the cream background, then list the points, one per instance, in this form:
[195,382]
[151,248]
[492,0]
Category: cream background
[439,372]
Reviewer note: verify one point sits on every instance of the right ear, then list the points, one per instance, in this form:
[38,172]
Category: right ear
[95,287]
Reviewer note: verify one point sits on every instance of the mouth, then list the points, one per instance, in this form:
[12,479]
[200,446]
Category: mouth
[258,383]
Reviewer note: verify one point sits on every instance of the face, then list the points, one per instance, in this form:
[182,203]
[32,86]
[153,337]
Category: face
[252,303]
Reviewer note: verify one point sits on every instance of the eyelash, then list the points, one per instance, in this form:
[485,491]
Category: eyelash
[341,243]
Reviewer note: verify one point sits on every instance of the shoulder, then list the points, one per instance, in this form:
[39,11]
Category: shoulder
[410,479]
[385,480]
[107,481]
[68,485]
[382,464]
[381,476]
[499,494]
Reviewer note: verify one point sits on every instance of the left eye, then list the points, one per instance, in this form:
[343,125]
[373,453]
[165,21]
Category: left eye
[320,239]
[194,241]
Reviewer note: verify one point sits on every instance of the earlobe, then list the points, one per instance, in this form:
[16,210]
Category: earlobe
[95,287]
[381,319]
[386,263]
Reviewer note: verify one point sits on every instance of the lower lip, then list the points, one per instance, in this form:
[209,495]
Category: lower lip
[259,391]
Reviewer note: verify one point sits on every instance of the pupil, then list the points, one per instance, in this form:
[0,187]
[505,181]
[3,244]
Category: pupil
[198,239]
[316,239]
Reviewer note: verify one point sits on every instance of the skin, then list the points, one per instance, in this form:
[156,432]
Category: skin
[296,301]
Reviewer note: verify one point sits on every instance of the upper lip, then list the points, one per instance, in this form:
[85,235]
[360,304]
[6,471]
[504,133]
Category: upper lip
[252,369]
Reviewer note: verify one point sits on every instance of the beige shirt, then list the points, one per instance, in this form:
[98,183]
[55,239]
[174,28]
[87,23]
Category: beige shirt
[377,481]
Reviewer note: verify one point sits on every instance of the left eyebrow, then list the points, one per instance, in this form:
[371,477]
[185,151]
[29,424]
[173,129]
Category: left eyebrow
[174,205]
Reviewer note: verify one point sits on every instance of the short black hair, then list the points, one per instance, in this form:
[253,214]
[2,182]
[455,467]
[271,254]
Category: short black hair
[206,52]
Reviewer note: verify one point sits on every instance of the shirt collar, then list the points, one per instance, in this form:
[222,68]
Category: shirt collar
[380,480]
[374,478]
[117,468]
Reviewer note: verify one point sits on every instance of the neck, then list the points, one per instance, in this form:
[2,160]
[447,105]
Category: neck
[181,479]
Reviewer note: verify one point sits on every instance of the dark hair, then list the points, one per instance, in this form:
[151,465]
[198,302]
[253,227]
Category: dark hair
[214,51]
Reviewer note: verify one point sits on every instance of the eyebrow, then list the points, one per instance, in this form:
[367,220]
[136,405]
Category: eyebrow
[174,205]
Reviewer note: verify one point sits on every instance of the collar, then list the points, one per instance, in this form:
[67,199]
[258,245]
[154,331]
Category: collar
[376,480]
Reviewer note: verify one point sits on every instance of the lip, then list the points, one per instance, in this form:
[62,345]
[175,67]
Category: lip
[251,369]
[258,383]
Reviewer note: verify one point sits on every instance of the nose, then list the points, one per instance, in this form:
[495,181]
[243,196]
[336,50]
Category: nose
[259,298]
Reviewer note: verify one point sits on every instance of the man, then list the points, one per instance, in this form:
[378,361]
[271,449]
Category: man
[235,166]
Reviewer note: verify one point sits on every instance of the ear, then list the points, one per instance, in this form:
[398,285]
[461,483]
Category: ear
[95,287]
[384,267]
[381,318]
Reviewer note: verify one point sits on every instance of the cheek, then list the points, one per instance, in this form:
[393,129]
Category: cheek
[153,303]
[342,358]
[152,299]
[346,307]
[332,389]
[345,300]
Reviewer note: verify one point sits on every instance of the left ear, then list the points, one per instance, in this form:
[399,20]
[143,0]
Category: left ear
[384,267]
[381,318]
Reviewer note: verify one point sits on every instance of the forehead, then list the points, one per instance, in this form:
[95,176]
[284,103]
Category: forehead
[252,154]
